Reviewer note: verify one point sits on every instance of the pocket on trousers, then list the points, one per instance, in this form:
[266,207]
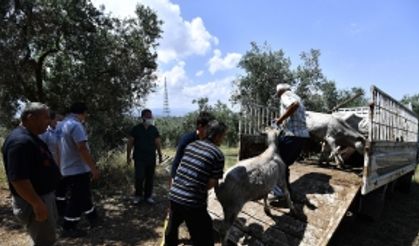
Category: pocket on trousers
[22,210]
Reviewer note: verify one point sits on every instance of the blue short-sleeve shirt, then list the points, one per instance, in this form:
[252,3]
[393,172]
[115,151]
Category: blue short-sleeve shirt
[72,133]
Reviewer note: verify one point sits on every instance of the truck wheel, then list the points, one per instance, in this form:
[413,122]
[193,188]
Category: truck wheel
[405,182]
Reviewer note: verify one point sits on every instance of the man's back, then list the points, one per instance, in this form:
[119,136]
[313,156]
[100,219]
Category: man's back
[296,124]
[72,133]
[186,139]
[202,161]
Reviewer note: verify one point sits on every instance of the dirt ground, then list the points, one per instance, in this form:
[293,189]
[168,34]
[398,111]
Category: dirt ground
[126,224]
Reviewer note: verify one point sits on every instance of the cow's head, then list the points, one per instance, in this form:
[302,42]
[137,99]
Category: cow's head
[271,134]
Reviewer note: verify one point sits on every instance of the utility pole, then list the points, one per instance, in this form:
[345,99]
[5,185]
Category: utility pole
[166,109]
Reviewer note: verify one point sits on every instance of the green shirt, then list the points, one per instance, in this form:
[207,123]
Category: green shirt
[144,142]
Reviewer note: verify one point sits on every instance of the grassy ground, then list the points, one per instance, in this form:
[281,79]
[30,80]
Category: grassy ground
[126,224]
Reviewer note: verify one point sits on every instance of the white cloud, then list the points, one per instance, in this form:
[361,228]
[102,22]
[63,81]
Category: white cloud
[199,73]
[218,63]
[182,90]
[175,77]
[214,90]
[180,38]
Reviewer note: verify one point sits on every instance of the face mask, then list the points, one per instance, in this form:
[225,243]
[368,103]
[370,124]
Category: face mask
[148,122]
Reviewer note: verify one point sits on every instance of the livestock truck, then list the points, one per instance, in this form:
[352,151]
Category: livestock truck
[323,194]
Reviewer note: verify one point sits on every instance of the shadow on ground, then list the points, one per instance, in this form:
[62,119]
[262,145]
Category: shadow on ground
[398,225]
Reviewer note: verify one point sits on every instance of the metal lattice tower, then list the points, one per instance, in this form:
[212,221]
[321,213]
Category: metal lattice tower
[166,109]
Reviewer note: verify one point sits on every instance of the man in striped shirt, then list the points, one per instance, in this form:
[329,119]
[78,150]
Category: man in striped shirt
[199,170]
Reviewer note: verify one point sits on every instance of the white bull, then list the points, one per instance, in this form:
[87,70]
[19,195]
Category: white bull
[335,133]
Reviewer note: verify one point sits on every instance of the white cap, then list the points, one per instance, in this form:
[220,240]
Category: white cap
[282,87]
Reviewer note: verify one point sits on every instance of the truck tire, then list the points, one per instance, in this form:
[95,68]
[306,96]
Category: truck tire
[405,182]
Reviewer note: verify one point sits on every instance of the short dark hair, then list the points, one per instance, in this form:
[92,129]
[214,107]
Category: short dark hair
[145,111]
[204,118]
[215,128]
[78,108]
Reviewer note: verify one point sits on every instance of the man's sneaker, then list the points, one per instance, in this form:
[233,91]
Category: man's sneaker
[278,191]
[73,233]
[276,194]
[150,200]
[136,200]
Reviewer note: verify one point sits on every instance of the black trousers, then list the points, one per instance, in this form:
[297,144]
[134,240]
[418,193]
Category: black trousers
[144,177]
[197,220]
[289,149]
[79,200]
[61,197]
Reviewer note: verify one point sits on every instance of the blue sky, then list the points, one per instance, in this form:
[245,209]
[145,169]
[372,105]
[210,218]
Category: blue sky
[361,42]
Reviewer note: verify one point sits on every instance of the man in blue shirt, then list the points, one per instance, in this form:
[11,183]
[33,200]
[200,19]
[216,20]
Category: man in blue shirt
[77,168]
[32,175]
[199,170]
[200,133]
[52,136]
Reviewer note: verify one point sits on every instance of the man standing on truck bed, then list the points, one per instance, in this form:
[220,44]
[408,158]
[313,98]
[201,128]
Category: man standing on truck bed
[293,119]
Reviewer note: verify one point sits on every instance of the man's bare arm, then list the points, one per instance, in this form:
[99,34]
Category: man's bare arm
[130,144]
[158,147]
[290,111]
[26,191]
[88,159]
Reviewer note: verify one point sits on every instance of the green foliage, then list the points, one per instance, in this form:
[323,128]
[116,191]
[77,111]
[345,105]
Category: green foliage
[265,68]
[310,81]
[222,113]
[172,128]
[413,100]
[230,155]
[348,93]
[59,52]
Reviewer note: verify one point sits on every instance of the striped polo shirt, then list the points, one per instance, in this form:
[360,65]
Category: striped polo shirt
[202,161]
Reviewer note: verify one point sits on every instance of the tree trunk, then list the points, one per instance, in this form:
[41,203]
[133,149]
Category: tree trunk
[39,79]
[39,76]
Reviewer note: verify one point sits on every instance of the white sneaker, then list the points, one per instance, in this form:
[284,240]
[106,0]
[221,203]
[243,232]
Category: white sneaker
[136,200]
[150,200]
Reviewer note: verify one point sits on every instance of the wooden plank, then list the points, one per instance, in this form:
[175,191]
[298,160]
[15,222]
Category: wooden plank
[323,196]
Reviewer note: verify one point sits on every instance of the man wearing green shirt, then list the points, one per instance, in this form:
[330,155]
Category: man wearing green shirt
[144,138]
